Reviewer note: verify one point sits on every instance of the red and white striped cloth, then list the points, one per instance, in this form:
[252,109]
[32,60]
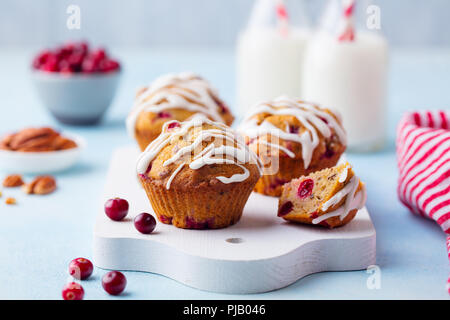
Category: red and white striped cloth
[423,155]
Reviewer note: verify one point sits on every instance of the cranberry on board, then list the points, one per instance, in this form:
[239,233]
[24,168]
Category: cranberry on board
[114,282]
[80,268]
[144,223]
[116,209]
[73,291]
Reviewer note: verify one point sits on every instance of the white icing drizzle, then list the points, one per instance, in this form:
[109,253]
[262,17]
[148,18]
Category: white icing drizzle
[307,114]
[344,174]
[273,145]
[352,201]
[226,153]
[174,174]
[184,90]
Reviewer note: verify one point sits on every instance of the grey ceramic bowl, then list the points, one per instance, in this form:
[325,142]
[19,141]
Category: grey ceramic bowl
[78,99]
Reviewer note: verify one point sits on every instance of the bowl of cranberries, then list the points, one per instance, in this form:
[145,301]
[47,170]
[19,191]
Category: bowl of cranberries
[76,83]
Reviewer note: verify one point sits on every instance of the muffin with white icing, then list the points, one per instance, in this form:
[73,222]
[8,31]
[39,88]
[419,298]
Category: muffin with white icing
[330,197]
[292,138]
[198,174]
[173,97]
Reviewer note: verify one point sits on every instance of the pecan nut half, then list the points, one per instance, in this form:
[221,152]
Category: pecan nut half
[32,137]
[12,181]
[36,140]
[40,185]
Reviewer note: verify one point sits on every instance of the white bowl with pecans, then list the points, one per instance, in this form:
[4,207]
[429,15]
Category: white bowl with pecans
[39,150]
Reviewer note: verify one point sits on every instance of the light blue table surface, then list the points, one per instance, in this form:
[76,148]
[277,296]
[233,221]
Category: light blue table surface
[40,235]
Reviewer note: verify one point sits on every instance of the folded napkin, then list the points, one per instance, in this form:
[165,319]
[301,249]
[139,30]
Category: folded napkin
[423,156]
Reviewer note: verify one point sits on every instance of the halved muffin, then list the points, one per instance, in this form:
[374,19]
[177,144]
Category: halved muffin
[330,197]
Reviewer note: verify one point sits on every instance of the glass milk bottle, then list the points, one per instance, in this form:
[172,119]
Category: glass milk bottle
[270,53]
[347,72]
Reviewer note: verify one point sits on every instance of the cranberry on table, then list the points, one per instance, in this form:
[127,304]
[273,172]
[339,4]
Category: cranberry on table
[73,291]
[145,223]
[114,282]
[80,268]
[116,209]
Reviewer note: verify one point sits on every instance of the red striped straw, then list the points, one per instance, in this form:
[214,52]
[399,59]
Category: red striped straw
[348,30]
[282,17]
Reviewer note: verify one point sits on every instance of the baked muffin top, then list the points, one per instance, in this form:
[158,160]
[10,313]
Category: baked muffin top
[196,152]
[293,128]
[184,94]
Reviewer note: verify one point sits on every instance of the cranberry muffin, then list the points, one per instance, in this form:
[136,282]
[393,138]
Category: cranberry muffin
[330,197]
[173,97]
[292,138]
[198,174]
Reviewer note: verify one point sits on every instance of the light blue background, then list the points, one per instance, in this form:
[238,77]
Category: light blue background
[195,22]
[40,235]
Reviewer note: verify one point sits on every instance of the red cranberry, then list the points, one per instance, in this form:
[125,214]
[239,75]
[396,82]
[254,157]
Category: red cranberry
[324,223]
[193,224]
[293,129]
[116,209]
[61,53]
[329,153]
[324,120]
[70,46]
[73,291]
[99,54]
[88,66]
[285,208]
[222,106]
[114,282]
[276,183]
[41,59]
[75,59]
[63,65]
[165,219]
[80,268]
[143,176]
[145,223]
[164,114]
[82,47]
[305,188]
[108,65]
[172,125]
[66,70]
[51,64]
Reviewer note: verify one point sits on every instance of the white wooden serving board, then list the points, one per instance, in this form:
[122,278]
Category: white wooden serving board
[265,252]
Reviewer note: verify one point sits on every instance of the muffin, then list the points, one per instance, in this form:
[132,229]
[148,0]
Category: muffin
[198,174]
[330,197]
[292,138]
[173,97]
